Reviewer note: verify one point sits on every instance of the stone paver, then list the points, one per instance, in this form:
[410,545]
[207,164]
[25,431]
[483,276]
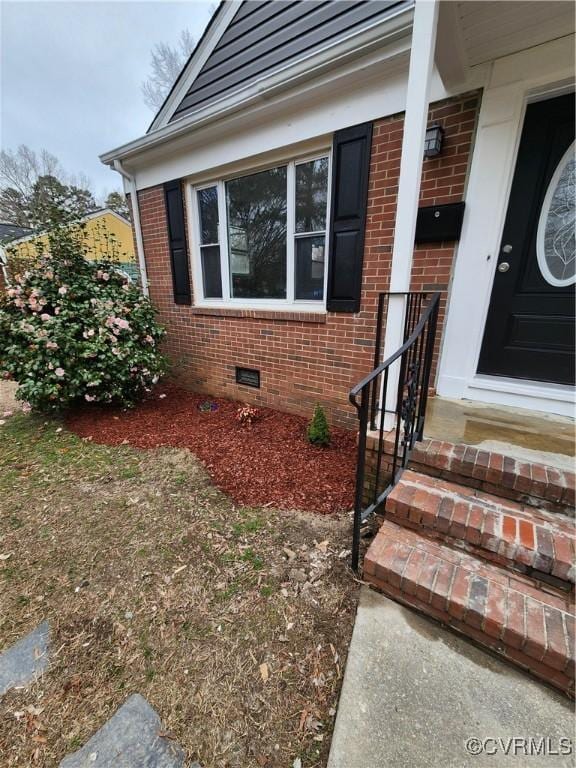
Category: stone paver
[130,739]
[414,694]
[8,401]
[25,660]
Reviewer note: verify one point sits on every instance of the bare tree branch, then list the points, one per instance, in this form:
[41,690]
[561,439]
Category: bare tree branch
[166,64]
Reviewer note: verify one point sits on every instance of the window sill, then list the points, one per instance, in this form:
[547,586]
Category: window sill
[298,316]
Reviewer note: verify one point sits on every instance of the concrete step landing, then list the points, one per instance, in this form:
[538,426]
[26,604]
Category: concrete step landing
[416,695]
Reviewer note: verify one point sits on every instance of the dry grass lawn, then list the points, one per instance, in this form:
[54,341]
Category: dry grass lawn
[233,622]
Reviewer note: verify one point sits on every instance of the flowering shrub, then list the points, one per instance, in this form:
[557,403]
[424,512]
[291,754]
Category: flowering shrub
[247,415]
[72,330]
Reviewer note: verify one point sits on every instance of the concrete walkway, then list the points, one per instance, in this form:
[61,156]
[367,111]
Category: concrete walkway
[415,694]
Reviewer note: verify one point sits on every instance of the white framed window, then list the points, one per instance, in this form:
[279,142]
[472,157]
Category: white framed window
[259,238]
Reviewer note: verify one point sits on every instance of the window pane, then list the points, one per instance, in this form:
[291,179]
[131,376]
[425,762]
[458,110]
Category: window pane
[211,278]
[257,234]
[311,195]
[208,207]
[310,268]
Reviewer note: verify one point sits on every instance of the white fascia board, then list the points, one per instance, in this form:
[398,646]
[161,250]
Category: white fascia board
[379,35]
[194,66]
[103,212]
[297,123]
[450,56]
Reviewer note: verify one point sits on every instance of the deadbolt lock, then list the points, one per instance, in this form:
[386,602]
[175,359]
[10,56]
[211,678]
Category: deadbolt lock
[503,266]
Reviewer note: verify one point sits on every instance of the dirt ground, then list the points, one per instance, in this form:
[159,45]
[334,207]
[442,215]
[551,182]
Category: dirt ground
[233,621]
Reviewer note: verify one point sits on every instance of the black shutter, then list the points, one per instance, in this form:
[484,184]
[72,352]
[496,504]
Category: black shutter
[177,242]
[351,166]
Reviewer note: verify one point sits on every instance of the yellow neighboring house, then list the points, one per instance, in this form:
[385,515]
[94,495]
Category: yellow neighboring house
[107,235]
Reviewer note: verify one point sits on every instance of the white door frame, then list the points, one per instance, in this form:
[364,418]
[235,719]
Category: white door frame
[514,81]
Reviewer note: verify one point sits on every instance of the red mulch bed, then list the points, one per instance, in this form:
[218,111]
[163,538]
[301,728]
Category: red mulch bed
[270,462]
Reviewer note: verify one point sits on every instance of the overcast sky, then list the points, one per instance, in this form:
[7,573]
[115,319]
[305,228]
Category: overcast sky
[71,74]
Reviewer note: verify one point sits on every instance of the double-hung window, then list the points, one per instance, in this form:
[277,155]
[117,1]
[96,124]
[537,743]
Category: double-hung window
[261,237]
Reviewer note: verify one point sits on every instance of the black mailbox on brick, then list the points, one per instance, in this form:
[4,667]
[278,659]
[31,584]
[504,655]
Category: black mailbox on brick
[436,223]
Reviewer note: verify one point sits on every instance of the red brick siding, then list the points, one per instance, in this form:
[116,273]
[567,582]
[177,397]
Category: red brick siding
[443,181]
[306,359]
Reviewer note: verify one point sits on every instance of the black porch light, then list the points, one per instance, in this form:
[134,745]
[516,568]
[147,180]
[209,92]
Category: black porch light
[433,141]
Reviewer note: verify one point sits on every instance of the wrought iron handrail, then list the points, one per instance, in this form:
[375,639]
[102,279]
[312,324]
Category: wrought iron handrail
[414,359]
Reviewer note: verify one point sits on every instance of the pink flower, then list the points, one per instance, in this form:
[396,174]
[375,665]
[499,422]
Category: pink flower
[45,317]
[59,372]
[148,339]
[121,323]
[51,345]
[89,398]
[115,351]
[63,290]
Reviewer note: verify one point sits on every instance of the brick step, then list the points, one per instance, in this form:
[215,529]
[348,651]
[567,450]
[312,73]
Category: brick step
[493,472]
[497,609]
[506,532]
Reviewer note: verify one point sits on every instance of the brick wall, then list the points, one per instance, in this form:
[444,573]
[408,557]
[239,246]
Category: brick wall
[443,181]
[304,358]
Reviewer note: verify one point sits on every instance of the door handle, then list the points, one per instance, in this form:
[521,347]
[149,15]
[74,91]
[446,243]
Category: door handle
[503,266]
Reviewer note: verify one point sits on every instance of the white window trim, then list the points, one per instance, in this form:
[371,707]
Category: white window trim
[289,304]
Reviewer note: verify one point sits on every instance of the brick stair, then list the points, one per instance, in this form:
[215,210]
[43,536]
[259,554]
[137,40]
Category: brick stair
[506,532]
[530,624]
[527,482]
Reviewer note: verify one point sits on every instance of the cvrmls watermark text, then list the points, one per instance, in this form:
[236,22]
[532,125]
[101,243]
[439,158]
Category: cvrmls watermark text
[526,746]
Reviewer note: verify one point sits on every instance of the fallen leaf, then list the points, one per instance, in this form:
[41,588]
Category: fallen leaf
[264,674]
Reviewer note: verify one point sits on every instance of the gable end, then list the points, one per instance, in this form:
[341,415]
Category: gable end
[266,35]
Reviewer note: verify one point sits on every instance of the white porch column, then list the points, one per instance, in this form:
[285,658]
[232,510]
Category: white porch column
[416,115]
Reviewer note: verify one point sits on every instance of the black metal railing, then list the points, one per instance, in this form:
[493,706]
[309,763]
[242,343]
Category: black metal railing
[407,374]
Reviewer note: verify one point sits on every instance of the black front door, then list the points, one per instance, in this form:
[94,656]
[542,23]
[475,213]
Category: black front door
[529,330]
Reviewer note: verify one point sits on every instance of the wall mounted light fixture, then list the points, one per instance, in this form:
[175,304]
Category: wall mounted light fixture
[433,141]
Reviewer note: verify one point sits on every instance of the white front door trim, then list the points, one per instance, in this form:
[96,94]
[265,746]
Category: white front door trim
[514,81]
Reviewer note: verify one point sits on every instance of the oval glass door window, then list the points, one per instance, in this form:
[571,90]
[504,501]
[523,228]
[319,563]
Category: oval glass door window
[555,242]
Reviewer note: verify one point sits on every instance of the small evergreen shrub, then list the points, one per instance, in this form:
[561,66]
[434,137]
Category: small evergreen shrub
[72,330]
[318,429]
